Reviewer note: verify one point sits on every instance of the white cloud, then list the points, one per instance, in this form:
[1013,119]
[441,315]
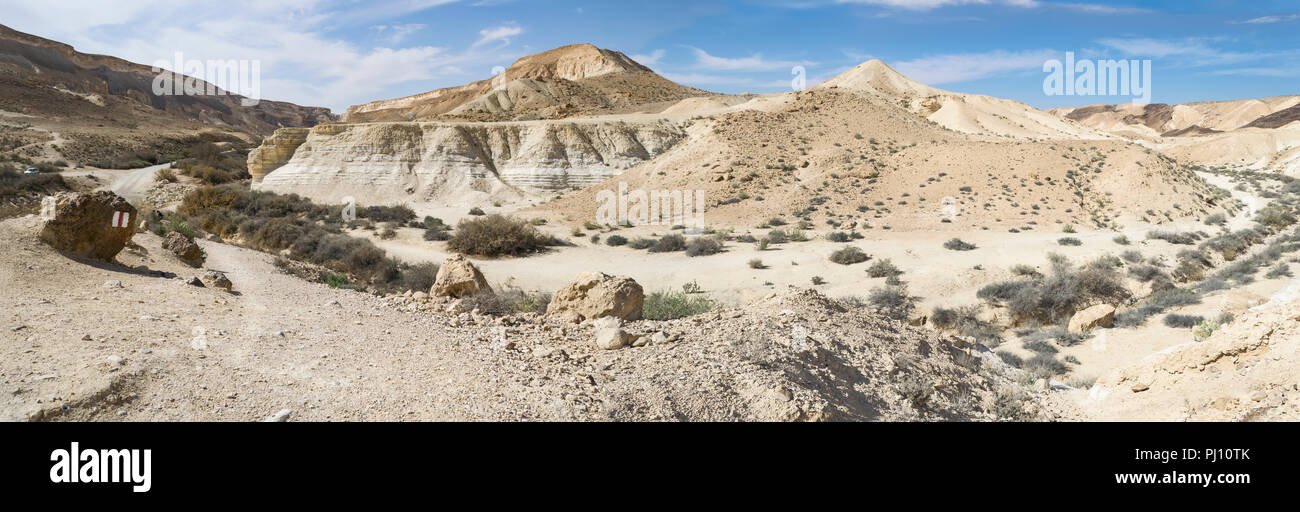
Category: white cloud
[1278,18]
[650,60]
[941,69]
[754,62]
[925,5]
[501,34]
[300,61]
[394,34]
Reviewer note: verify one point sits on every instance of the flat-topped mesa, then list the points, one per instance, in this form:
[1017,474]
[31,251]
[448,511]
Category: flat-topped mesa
[453,163]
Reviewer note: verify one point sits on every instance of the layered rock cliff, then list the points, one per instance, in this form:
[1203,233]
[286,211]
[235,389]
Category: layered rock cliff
[453,163]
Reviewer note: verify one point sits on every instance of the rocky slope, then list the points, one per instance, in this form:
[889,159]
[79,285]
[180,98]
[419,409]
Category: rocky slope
[565,82]
[454,163]
[44,78]
[1245,372]
[128,342]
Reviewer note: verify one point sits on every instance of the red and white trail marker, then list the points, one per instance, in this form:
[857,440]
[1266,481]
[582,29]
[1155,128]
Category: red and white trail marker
[121,219]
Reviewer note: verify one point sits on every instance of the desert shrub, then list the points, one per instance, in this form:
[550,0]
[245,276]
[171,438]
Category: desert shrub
[208,174]
[1060,294]
[1121,240]
[818,280]
[958,244]
[1011,359]
[797,235]
[1002,292]
[174,222]
[1280,271]
[616,240]
[16,184]
[477,212]
[1182,321]
[671,305]
[777,236]
[1058,335]
[418,277]
[641,243]
[838,237]
[340,281]
[1173,237]
[509,300]
[703,246]
[776,222]
[400,214]
[437,234]
[498,235]
[917,392]
[883,268]
[387,234]
[1026,271]
[670,243]
[757,264]
[849,256]
[1045,366]
[1132,257]
[893,301]
[166,175]
[1147,273]
[764,243]
[1070,241]
[1216,219]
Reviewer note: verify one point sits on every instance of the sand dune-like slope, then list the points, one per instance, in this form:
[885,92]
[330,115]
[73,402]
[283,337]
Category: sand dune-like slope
[857,161]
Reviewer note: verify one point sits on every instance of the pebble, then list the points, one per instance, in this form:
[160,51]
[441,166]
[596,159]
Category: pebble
[113,283]
[279,417]
[117,360]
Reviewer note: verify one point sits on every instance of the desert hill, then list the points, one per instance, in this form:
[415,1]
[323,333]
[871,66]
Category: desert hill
[40,77]
[852,161]
[565,82]
[1260,134]
[966,113]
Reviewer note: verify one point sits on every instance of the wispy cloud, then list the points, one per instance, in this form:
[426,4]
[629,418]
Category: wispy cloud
[500,34]
[1277,18]
[950,68]
[394,34]
[755,62]
[650,60]
[925,5]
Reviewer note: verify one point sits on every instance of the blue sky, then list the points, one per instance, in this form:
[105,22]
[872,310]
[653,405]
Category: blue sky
[337,53]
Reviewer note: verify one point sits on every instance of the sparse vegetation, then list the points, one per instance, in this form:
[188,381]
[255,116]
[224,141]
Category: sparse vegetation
[958,244]
[849,256]
[671,305]
[498,235]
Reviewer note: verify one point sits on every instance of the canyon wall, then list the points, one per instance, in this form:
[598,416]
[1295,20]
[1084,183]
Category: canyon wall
[453,163]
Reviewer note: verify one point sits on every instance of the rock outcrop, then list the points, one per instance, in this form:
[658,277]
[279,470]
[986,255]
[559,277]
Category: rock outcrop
[275,151]
[458,277]
[596,295]
[1101,315]
[94,225]
[184,249]
[453,162]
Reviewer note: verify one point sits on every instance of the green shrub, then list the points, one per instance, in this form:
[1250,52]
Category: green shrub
[1183,321]
[883,268]
[616,240]
[671,305]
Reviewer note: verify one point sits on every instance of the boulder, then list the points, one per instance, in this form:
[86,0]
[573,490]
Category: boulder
[184,249]
[610,334]
[218,280]
[95,225]
[1101,315]
[458,277]
[596,295]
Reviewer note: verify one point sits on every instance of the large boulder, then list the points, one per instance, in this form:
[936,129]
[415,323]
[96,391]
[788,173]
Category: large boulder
[595,295]
[458,277]
[1101,315]
[184,249]
[95,225]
